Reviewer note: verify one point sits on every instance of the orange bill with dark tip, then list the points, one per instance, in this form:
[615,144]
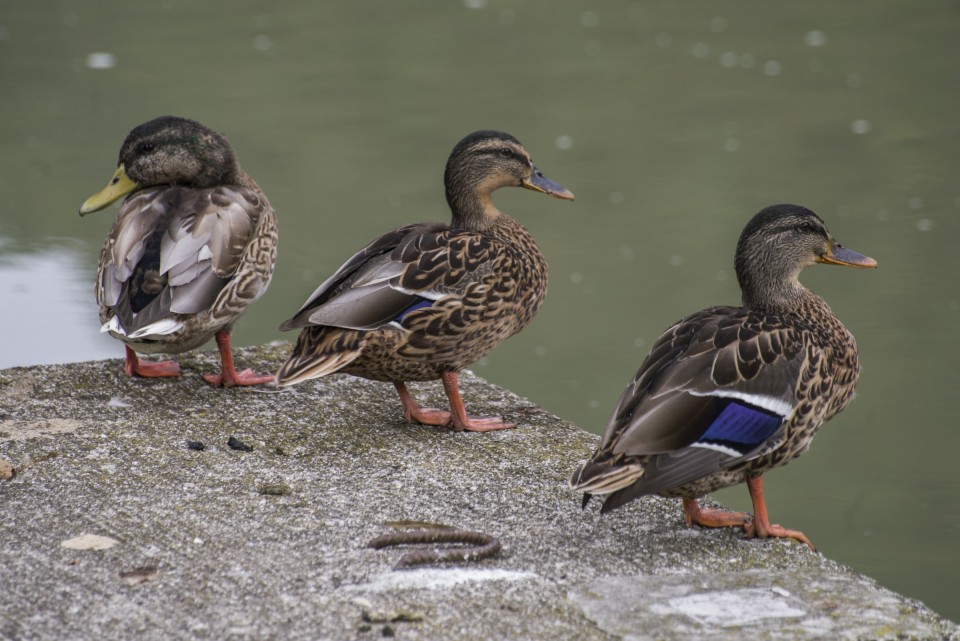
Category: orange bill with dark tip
[840,255]
[538,182]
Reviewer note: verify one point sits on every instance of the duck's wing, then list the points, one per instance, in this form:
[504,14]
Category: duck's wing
[403,270]
[715,390]
[171,252]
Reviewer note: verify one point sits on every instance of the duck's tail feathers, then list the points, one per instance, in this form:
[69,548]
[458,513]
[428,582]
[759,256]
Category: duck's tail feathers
[604,478]
[297,369]
[320,351]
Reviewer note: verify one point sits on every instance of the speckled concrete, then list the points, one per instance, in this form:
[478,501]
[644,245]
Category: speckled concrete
[191,544]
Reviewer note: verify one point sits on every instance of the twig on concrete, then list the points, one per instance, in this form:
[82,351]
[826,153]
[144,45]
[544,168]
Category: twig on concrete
[481,546]
[8,472]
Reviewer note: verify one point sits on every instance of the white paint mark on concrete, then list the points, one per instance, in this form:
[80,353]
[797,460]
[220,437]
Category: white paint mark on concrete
[89,542]
[23,430]
[734,607]
[433,579]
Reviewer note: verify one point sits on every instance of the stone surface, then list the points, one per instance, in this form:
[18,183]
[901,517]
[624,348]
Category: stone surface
[203,552]
[753,604]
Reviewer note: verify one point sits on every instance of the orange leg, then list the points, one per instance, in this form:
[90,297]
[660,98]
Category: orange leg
[229,376]
[458,413]
[761,527]
[693,514]
[149,369]
[416,414]
[456,419]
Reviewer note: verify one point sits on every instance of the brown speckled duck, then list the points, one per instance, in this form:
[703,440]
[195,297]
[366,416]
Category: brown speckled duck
[731,392]
[194,244]
[424,301]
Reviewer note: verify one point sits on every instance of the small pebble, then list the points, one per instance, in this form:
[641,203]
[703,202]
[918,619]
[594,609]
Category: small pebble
[236,444]
[7,470]
[393,616]
[388,631]
[139,575]
[275,489]
[196,445]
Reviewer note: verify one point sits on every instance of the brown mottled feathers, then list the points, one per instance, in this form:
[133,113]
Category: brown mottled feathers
[195,256]
[673,401]
[483,288]
[730,392]
[367,287]
[423,301]
[173,250]
[194,243]
[717,348]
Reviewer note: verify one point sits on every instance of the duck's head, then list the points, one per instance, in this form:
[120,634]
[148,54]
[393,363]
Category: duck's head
[168,151]
[780,242]
[485,161]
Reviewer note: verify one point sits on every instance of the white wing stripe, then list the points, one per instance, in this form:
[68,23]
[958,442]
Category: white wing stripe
[429,294]
[770,403]
[160,328]
[113,325]
[723,449]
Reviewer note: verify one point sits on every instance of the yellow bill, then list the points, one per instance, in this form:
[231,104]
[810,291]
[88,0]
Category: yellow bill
[118,187]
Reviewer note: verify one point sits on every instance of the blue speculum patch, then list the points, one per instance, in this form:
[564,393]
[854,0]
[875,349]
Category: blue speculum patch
[419,304]
[741,427]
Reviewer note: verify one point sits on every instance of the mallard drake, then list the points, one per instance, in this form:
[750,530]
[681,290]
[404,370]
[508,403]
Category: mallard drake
[194,244]
[731,392]
[425,300]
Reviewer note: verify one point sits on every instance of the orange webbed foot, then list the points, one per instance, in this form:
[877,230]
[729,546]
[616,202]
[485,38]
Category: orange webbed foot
[244,378]
[134,366]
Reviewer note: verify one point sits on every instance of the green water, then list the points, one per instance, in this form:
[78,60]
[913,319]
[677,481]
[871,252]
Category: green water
[673,122]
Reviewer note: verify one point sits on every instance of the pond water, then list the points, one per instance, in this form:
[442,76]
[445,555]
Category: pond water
[673,122]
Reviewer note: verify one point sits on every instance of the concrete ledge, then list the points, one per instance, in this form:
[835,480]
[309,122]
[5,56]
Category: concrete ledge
[269,543]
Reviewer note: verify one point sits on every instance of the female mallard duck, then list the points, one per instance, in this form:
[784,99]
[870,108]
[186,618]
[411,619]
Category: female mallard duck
[731,392]
[194,243]
[424,301]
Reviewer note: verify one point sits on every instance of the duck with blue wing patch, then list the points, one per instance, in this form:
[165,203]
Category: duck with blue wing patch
[423,301]
[731,392]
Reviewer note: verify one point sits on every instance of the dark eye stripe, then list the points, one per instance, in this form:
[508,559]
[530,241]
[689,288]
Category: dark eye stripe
[501,151]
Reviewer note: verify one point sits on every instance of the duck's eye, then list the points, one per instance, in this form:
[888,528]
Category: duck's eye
[145,147]
[506,152]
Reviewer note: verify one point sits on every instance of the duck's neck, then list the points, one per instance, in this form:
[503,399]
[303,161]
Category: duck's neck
[784,299]
[218,164]
[773,287]
[243,179]
[472,208]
